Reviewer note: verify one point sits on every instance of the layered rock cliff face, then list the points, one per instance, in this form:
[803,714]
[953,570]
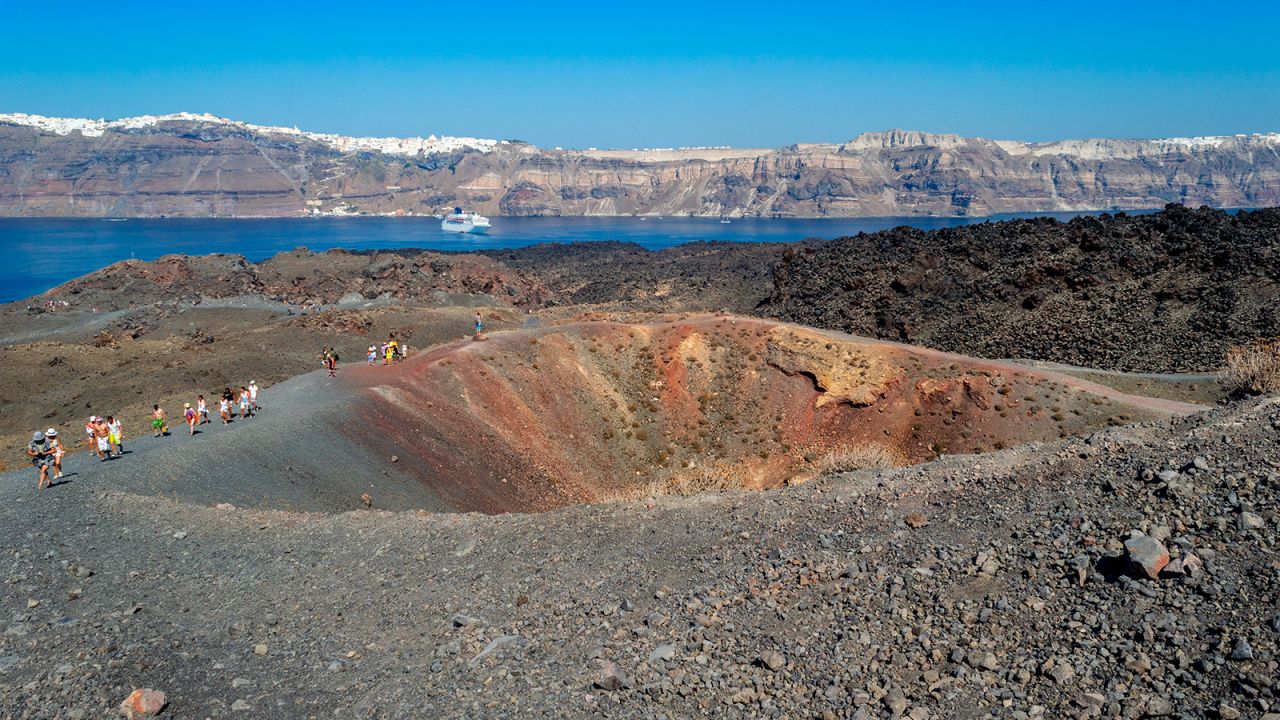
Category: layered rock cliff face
[197,166]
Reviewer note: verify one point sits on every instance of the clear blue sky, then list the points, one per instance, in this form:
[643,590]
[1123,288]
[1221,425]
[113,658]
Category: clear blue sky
[656,74]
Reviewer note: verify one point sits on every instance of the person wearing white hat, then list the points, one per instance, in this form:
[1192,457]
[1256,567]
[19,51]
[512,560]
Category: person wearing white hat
[58,451]
[91,432]
[253,396]
[41,457]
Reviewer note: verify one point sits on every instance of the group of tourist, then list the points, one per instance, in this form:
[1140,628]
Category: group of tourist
[390,352]
[105,435]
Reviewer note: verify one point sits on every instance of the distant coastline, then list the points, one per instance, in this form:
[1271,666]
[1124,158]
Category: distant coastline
[189,165]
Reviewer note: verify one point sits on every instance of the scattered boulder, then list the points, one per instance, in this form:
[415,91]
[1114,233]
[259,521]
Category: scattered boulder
[1146,556]
[611,677]
[143,703]
[771,660]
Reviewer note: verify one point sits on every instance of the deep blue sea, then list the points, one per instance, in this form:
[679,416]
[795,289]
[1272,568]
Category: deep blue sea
[41,253]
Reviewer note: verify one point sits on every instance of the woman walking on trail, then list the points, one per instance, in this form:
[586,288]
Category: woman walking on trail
[191,416]
[158,422]
[41,455]
[58,451]
[224,408]
[479,323]
[202,410]
[115,434]
[329,358]
[244,402]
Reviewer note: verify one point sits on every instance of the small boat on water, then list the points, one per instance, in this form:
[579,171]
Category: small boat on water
[465,222]
[724,221]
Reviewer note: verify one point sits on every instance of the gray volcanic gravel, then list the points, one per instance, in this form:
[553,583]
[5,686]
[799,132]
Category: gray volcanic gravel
[976,586]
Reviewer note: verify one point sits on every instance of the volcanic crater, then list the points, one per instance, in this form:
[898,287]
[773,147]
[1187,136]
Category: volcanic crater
[593,410]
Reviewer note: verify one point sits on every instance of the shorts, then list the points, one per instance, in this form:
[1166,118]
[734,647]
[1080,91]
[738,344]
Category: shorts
[104,444]
[115,439]
[43,461]
[157,423]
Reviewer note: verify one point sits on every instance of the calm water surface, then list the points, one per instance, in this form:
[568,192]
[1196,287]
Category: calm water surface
[41,253]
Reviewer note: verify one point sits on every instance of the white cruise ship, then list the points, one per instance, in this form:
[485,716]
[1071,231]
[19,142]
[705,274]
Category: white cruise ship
[464,222]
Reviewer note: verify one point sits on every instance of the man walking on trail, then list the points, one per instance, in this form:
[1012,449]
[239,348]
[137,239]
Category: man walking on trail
[102,439]
[158,422]
[202,410]
[41,455]
[253,396]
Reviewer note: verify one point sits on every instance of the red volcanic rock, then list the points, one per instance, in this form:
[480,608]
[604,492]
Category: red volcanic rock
[596,410]
[143,703]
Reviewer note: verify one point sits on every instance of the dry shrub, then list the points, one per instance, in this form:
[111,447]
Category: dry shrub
[858,457]
[1254,367]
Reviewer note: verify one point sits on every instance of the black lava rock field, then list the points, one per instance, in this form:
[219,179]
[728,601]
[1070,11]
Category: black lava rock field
[1166,292]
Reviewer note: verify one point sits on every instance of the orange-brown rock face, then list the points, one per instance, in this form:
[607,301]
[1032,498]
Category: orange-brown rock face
[593,411]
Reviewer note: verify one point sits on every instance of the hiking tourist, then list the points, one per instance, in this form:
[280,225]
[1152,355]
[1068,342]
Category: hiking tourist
[202,409]
[253,396]
[373,354]
[224,407]
[329,358]
[190,416]
[158,422]
[115,434]
[90,433]
[244,402]
[102,438]
[479,323]
[58,451]
[41,455]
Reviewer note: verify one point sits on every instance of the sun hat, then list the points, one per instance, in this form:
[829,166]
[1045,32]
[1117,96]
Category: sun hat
[37,436]
[93,418]
[186,405]
[51,432]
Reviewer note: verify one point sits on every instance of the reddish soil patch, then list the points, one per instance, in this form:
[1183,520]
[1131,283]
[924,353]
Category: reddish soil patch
[595,411]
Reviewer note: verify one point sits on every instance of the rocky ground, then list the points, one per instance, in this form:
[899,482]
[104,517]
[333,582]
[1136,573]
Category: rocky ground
[299,564]
[1032,582]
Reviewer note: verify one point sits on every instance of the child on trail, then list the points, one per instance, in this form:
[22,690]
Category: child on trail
[224,409]
[253,397]
[158,422]
[41,457]
[331,362]
[58,451]
[202,409]
[115,434]
[479,323]
[244,402]
[191,416]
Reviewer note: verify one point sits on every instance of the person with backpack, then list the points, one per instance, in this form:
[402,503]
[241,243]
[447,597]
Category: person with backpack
[41,454]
